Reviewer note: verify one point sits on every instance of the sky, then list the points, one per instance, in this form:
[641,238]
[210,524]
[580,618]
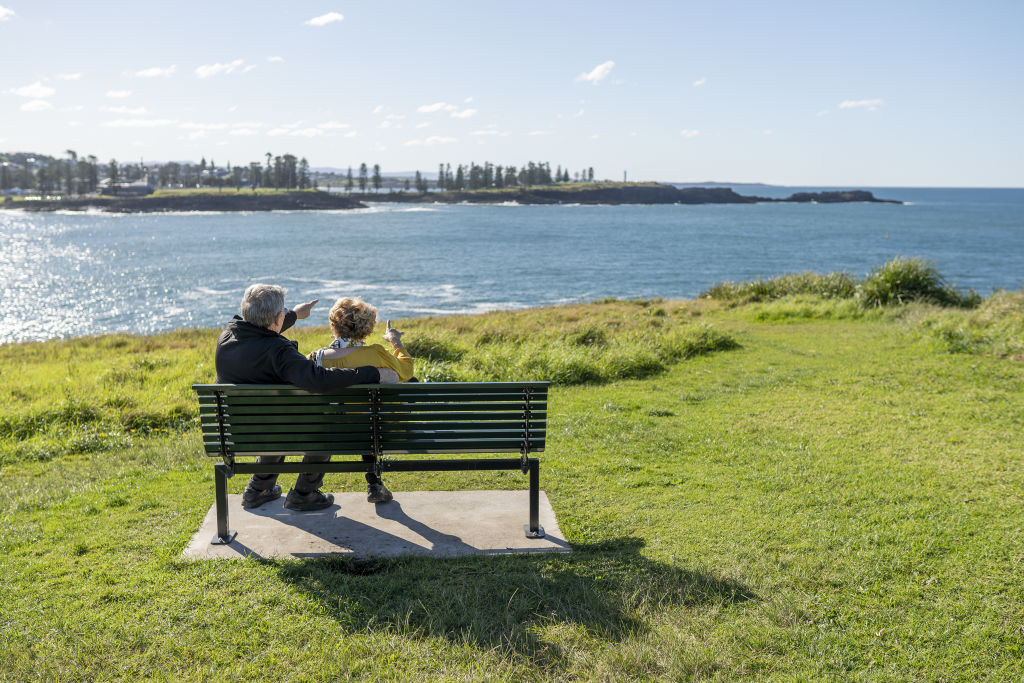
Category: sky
[867,94]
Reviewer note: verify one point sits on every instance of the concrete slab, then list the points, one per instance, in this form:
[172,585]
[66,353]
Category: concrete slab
[435,523]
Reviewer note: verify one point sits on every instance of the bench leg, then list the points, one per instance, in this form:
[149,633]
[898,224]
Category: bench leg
[534,529]
[220,482]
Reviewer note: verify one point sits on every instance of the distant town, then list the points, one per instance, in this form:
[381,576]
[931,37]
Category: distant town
[38,175]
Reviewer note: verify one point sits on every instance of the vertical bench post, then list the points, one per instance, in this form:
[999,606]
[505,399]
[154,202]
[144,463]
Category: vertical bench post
[534,529]
[220,482]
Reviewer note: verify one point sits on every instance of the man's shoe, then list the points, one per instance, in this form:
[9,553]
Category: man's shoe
[378,493]
[253,498]
[305,502]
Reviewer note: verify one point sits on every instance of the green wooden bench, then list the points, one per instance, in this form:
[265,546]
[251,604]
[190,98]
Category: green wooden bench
[243,421]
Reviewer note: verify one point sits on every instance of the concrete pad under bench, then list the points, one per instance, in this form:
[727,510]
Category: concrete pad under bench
[432,523]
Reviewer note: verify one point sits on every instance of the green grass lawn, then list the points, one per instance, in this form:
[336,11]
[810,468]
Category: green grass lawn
[791,490]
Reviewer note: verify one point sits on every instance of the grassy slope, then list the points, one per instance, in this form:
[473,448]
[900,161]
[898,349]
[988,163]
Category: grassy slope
[834,499]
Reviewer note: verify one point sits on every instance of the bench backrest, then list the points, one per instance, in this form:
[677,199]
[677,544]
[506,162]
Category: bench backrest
[373,419]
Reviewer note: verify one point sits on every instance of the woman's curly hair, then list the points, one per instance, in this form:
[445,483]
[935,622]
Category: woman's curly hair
[352,319]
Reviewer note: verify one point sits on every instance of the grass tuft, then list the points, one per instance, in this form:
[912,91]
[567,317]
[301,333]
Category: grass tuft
[896,282]
[903,280]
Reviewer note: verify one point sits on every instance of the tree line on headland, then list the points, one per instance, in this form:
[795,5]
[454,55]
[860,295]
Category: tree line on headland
[22,172]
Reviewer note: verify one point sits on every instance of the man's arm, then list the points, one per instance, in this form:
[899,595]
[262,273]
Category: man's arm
[294,368]
[300,312]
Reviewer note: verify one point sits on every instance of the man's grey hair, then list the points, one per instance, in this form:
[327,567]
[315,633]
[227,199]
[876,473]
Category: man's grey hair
[261,304]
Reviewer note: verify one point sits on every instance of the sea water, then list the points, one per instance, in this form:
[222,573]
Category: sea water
[70,274]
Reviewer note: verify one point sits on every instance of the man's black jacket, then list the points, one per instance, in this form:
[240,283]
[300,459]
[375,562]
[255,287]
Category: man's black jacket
[248,354]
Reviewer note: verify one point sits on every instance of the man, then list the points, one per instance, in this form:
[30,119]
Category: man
[251,350]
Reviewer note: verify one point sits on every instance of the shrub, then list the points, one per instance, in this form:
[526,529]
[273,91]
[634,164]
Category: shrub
[903,280]
[829,286]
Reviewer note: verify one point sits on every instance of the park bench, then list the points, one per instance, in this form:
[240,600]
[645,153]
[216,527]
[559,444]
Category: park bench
[241,422]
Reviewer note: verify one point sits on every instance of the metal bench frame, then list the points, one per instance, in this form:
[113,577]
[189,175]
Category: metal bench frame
[374,420]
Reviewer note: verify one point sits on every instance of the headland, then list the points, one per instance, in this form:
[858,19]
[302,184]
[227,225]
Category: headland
[313,200]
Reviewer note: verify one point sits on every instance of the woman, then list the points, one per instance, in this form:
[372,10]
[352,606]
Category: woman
[352,321]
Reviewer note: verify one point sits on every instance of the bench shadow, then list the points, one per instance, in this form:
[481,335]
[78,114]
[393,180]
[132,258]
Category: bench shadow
[346,532]
[507,602]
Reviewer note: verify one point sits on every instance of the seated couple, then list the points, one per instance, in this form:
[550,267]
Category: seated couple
[352,321]
[251,350]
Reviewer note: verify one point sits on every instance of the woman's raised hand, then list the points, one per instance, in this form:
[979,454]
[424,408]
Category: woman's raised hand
[393,336]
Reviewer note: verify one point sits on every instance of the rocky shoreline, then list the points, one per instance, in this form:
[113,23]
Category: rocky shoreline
[649,193]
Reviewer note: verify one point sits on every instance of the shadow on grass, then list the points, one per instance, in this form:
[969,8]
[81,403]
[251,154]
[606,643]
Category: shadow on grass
[607,589]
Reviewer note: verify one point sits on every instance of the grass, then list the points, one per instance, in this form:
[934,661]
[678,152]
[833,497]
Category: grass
[899,281]
[836,496]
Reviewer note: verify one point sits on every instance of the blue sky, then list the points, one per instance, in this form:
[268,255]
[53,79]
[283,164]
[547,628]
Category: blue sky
[799,93]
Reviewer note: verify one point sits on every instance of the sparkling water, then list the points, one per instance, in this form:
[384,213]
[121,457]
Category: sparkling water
[69,274]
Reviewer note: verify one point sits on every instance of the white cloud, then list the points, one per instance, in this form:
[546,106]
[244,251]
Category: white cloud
[139,123]
[119,94]
[597,74]
[248,68]
[699,82]
[768,131]
[689,133]
[464,114]
[332,125]
[431,141]
[73,107]
[155,71]
[436,106]
[870,105]
[189,125]
[378,109]
[595,136]
[5,13]
[293,131]
[395,117]
[351,134]
[467,100]
[244,131]
[36,105]
[197,135]
[36,91]
[384,124]
[207,70]
[248,124]
[489,131]
[534,133]
[325,19]
[68,77]
[423,125]
[275,58]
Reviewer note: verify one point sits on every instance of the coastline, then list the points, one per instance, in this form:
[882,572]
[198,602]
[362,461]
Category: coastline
[596,193]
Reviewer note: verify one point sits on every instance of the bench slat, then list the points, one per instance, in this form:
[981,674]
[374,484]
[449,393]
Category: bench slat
[447,427]
[418,451]
[361,389]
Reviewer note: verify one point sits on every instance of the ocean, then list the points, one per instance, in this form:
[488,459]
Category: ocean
[73,274]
